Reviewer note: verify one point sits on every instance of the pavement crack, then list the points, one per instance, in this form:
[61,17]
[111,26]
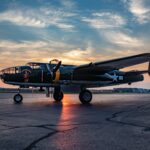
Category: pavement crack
[114,116]
[35,142]
[28,126]
[48,126]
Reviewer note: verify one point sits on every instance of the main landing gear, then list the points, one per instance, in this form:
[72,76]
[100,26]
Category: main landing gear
[58,94]
[85,96]
[18,98]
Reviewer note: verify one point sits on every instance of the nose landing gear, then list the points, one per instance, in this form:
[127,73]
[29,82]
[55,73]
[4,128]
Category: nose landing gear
[18,98]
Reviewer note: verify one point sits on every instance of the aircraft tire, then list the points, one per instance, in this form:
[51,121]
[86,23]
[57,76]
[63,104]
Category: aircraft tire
[58,96]
[85,96]
[18,98]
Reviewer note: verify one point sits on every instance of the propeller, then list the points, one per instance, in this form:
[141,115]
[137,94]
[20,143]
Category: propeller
[55,68]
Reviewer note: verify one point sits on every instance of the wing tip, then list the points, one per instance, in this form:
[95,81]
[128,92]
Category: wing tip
[146,54]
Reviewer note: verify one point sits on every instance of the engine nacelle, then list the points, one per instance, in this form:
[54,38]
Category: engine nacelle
[132,77]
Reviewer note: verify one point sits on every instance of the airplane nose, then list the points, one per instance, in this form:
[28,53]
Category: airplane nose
[2,77]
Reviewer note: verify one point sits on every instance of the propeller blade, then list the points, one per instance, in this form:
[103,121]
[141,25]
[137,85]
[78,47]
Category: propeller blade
[57,67]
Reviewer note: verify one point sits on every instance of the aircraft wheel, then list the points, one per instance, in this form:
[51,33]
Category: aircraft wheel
[18,98]
[85,96]
[58,96]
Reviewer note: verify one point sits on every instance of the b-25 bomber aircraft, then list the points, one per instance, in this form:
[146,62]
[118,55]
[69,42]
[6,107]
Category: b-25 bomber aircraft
[55,74]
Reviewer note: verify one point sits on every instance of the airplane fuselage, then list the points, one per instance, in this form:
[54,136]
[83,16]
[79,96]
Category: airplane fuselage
[67,73]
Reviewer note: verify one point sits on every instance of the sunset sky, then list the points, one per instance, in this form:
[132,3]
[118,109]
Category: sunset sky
[74,31]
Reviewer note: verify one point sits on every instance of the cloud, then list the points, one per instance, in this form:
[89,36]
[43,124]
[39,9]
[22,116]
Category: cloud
[122,39]
[112,29]
[20,18]
[21,52]
[104,20]
[74,56]
[34,45]
[18,53]
[39,18]
[139,9]
[69,4]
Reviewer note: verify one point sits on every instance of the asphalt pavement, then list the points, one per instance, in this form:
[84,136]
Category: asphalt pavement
[110,122]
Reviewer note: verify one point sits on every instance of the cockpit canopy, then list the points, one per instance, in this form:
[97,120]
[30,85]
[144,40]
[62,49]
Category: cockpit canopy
[43,66]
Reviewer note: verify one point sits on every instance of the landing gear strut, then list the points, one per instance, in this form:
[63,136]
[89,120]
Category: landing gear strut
[85,96]
[18,98]
[58,94]
[41,89]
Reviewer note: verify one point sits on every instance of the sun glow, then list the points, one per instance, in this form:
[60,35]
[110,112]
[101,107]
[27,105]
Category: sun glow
[66,114]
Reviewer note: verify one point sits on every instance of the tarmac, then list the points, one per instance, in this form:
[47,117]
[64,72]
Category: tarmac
[110,122]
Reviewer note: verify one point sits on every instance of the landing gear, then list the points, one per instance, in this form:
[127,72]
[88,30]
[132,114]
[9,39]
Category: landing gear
[58,94]
[85,96]
[18,98]
[41,89]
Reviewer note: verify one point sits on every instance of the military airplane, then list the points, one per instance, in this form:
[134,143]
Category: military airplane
[55,74]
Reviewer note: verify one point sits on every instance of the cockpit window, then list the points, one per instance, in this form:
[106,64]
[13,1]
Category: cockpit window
[37,66]
[15,70]
[11,70]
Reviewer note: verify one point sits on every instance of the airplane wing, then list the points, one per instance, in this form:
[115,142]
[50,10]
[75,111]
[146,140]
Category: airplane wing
[31,84]
[115,64]
[64,82]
